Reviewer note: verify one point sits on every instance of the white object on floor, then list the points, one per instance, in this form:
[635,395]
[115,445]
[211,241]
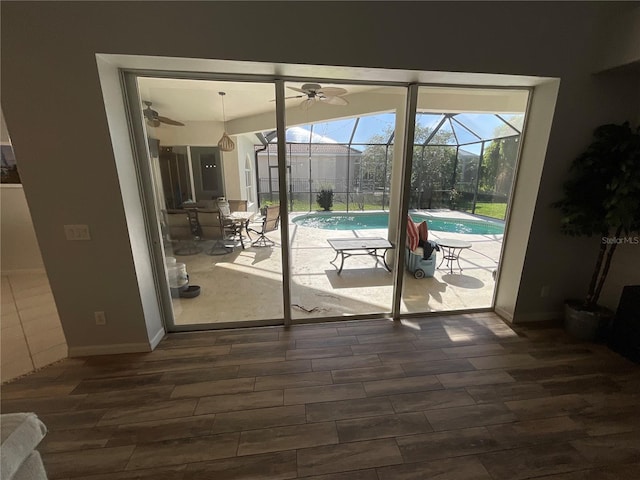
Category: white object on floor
[20,434]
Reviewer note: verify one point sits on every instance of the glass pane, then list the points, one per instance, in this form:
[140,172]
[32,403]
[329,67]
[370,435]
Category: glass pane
[444,135]
[466,178]
[459,194]
[498,168]
[426,123]
[339,191]
[485,125]
[516,120]
[298,159]
[9,168]
[375,128]
[202,209]
[300,134]
[432,176]
[339,131]
[371,177]
[463,136]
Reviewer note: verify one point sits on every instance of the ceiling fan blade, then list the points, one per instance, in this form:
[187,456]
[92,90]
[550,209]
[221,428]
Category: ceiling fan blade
[334,100]
[170,121]
[297,89]
[287,98]
[331,91]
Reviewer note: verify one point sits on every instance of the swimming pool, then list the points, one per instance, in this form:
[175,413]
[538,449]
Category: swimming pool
[364,221]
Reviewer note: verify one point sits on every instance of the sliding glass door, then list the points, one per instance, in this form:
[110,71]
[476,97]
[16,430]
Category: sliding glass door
[465,153]
[294,210]
[339,152]
[203,136]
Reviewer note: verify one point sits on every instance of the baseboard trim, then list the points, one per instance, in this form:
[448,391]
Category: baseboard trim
[23,271]
[89,350]
[538,317]
[504,314]
[157,338]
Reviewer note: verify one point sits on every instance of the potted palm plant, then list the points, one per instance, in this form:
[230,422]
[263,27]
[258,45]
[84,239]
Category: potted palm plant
[602,200]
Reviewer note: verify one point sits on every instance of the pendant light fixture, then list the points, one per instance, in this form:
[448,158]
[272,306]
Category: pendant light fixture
[225,144]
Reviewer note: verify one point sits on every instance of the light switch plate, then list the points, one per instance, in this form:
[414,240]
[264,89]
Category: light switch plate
[77,232]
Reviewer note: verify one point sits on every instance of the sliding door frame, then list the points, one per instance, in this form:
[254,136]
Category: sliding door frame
[152,229]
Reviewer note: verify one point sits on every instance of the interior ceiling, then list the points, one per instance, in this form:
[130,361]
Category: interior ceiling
[187,100]
[199,100]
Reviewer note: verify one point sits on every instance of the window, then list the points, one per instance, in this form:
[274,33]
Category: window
[9,168]
[248,179]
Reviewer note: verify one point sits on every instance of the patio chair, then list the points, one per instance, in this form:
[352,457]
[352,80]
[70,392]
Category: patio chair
[212,227]
[238,205]
[183,231]
[232,228]
[267,223]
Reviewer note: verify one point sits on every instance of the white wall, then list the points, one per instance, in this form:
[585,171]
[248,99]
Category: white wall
[4,133]
[245,148]
[18,245]
[68,165]
[197,134]
[205,134]
[31,335]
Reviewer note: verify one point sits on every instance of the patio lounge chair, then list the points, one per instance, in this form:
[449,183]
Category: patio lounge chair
[268,223]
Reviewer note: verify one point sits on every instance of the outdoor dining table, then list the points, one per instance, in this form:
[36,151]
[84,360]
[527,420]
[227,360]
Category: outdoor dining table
[347,247]
[239,221]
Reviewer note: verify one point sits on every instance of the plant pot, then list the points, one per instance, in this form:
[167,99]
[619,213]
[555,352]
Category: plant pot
[584,324]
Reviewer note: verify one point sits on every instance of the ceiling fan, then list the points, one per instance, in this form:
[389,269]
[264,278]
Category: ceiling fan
[317,93]
[154,120]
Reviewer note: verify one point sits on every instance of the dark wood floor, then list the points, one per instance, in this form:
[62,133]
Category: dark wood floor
[460,397]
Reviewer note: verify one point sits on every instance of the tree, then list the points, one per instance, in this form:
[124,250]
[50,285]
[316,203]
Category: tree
[432,165]
[325,198]
[601,197]
[375,163]
[498,165]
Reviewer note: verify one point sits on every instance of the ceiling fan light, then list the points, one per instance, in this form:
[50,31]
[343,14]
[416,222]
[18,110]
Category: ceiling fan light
[226,144]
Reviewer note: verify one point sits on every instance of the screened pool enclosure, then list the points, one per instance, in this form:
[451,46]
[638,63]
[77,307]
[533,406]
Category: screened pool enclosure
[461,161]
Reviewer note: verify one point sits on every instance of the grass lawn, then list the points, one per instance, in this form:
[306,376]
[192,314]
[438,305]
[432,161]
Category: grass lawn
[493,210]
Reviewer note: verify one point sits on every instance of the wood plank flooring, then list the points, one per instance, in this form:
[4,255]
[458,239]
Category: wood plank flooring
[457,397]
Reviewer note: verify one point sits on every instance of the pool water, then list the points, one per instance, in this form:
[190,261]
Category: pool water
[364,221]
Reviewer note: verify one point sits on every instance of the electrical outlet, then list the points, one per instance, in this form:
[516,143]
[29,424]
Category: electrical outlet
[544,291]
[101,318]
[77,232]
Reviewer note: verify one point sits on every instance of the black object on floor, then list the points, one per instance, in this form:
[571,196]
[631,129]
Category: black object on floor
[191,291]
[624,337]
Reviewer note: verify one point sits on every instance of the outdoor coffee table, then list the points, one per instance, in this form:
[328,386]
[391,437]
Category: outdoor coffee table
[451,251]
[347,247]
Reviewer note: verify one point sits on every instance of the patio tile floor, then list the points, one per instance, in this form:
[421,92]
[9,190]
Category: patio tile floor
[246,284]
